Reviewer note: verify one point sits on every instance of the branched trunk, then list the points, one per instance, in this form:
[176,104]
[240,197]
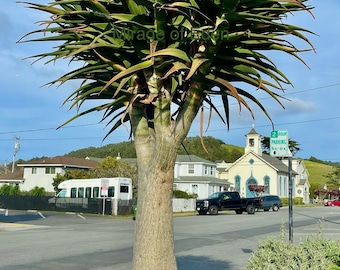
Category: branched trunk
[154,241]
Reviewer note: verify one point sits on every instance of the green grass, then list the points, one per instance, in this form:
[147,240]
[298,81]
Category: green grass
[317,175]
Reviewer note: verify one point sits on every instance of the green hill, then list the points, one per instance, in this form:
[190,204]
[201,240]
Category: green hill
[317,174]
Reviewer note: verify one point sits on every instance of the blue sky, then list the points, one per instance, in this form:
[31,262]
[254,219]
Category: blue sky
[31,112]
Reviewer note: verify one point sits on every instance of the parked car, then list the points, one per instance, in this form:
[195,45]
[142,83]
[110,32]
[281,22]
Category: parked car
[226,201]
[333,203]
[270,202]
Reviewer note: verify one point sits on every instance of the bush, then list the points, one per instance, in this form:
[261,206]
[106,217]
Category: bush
[183,195]
[296,201]
[316,253]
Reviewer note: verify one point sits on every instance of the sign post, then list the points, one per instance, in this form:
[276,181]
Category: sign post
[279,148]
[104,191]
[279,143]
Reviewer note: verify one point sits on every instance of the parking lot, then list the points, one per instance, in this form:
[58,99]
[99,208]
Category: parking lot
[49,240]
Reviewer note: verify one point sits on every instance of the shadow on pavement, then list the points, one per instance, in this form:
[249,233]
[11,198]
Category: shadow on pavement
[201,263]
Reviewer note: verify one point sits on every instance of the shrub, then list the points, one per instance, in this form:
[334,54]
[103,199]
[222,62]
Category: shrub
[183,195]
[315,252]
[296,201]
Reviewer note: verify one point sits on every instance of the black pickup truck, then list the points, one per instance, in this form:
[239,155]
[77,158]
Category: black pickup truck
[227,201]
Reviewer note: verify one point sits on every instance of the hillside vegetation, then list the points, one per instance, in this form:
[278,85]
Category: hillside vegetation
[216,150]
[317,174]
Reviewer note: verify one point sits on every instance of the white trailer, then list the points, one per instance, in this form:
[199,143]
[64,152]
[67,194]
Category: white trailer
[116,188]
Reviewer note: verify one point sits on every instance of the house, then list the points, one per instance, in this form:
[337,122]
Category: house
[196,175]
[41,172]
[257,168]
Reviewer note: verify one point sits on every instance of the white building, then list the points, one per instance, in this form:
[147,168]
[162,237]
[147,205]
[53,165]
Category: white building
[257,168]
[40,173]
[196,175]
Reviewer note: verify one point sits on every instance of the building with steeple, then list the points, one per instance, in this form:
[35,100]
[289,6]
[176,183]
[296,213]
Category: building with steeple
[260,169]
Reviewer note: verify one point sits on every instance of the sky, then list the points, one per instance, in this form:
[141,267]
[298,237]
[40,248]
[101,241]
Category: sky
[30,112]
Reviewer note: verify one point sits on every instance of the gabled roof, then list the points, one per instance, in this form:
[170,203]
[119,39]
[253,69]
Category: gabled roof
[17,176]
[61,161]
[275,163]
[192,158]
[201,179]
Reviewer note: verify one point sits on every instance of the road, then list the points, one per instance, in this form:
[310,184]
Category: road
[48,241]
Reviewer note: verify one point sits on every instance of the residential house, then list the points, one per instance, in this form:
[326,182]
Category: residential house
[41,172]
[257,168]
[196,175]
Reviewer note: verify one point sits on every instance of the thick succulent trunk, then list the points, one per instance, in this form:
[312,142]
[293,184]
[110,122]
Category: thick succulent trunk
[154,240]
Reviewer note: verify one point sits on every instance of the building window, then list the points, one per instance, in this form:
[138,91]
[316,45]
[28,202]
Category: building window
[285,187]
[194,189]
[211,170]
[238,183]
[205,170]
[251,142]
[191,168]
[34,170]
[267,184]
[50,170]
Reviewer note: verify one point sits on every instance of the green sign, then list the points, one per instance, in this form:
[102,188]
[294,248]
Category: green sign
[279,143]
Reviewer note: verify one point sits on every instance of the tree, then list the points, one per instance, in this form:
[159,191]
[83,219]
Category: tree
[112,167]
[70,174]
[294,146]
[156,64]
[334,178]
[37,191]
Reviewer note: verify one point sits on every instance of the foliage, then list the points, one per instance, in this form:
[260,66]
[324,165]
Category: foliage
[124,149]
[37,191]
[296,201]
[315,253]
[70,174]
[108,167]
[158,83]
[112,167]
[7,189]
[317,172]
[257,190]
[215,149]
[314,159]
[333,178]
[183,195]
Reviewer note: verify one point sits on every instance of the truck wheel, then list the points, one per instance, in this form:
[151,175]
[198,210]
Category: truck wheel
[238,211]
[213,210]
[275,208]
[250,209]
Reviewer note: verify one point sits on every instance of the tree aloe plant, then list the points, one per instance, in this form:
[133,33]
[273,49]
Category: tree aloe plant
[156,65]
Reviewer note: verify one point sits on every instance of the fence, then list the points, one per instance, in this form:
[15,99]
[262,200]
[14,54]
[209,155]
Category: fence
[83,205]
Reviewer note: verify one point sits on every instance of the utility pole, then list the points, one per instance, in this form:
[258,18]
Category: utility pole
[16,149]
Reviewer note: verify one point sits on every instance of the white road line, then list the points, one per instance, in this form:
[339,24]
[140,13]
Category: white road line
[81,216]
[41,215]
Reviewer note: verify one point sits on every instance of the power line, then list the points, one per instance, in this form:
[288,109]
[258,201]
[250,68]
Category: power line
[102,123]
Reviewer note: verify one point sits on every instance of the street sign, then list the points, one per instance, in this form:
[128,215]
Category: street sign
[279,143]
[104,190]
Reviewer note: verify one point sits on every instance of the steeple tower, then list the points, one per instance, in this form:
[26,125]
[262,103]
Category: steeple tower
[253,142]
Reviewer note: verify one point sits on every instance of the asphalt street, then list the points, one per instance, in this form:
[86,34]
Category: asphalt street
[48,240]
